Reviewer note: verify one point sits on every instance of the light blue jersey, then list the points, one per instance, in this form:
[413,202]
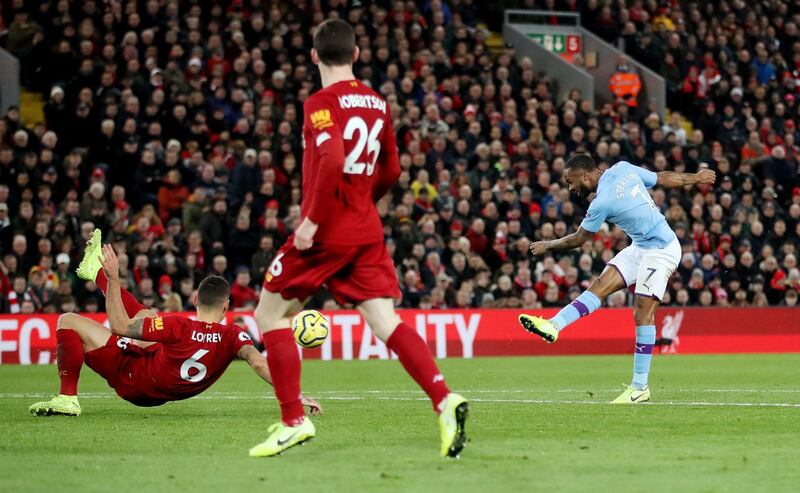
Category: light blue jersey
[622,199]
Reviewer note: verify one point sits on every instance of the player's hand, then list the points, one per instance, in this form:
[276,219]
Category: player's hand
[706,177]
[539,247]
[304,236]
[314,409]
[110,262]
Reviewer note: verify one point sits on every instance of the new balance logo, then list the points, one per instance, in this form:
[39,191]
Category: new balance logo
[438,378]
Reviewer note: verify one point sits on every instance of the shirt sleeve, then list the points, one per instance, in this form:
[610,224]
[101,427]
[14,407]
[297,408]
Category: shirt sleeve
[649,178]
[240,338]
[326,137]
[163,329]
[389,172]
[595,216]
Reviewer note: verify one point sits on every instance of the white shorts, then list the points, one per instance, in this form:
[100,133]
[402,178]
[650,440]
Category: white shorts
[648,268]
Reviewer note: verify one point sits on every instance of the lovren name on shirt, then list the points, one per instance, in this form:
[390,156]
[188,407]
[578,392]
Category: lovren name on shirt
[202,337]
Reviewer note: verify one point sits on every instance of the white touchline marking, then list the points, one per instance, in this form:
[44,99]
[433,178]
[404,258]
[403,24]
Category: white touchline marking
[557,401]
[407,391]
[352,396]
[542,391]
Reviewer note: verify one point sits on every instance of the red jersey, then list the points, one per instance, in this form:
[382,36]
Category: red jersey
[191,357]
[349,162]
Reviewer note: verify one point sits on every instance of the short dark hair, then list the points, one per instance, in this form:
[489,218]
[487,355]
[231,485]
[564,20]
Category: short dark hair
[213,292]
[581,162]
[335,42]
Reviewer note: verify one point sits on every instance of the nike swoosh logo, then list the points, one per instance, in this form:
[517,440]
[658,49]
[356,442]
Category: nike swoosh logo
[633,399]
[281,443]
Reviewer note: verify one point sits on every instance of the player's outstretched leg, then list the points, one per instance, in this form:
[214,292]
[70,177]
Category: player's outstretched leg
[639,390]
[90,263]
[588,301]
[69,357]
[90,269]
[283,359]
[418,362]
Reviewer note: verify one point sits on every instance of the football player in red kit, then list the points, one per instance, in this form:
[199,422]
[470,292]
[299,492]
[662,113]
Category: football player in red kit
[350,161]
[148,360]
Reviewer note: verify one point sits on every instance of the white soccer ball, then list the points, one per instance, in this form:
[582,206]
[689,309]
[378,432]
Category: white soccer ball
[310,328]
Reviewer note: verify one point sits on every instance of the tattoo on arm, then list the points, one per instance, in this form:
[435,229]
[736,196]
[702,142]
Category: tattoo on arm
[256,362]
[135,328]
[243,351]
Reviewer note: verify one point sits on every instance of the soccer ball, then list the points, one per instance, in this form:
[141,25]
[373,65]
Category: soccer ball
[310,328]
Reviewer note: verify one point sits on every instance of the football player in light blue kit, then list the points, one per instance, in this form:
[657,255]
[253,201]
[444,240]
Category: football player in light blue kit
[622,199]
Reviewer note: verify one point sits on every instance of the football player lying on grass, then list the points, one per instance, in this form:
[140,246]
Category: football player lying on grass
[147,359]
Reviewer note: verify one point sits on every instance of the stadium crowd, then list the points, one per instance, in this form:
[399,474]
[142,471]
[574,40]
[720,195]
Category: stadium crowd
[174,127]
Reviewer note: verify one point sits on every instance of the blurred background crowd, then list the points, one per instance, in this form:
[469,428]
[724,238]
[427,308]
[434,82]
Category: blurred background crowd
[174,127]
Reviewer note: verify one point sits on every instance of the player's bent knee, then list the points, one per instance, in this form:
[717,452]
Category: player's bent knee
[274,312]
[266,321]
[606,283]
[381,317]
[271,319]
[281,323]
[384,329]
[644,311]
[66,321]
[600,288]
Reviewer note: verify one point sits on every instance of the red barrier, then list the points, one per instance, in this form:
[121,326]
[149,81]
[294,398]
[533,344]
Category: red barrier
[469,333]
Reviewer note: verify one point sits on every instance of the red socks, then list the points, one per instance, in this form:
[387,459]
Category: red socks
[132,307]
[418,361]
[284,366]
[69,356]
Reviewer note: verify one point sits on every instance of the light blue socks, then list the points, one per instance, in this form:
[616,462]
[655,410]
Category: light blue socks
[642,355]
[583,305]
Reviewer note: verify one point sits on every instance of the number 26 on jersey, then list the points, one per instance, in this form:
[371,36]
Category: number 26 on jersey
[357,131]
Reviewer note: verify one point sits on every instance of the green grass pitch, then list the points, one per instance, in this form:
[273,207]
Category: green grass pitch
[717,423]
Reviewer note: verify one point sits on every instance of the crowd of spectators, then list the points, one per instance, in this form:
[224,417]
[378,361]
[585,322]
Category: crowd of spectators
[174,127]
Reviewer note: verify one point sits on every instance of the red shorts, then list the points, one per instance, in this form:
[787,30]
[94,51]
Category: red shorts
[123,365]
[352,273]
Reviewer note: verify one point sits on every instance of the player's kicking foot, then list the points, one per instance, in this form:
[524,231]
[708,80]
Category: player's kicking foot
[90,264]
[60,405]
[539,326]
[632,395]
[283,437]
[451,425]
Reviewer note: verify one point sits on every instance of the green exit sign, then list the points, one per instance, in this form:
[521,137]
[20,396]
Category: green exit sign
[558,43]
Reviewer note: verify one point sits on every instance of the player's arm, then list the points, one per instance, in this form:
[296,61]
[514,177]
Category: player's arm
[259,365]
[330,146]
[390,171]
[595,217]
[568,242]
[256,361]
[326,136]
[118,319]
[673,179]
